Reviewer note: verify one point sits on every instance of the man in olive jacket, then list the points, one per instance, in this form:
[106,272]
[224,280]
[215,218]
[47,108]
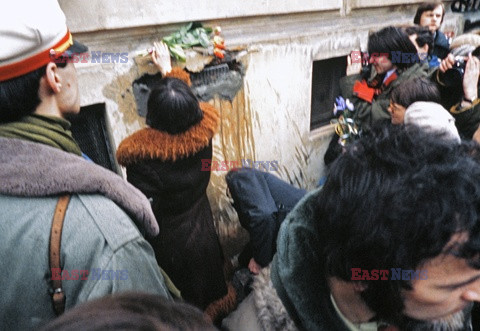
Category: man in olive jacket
[102,250]
[394,59]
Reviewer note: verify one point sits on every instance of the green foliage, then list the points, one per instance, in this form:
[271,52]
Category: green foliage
[192,34]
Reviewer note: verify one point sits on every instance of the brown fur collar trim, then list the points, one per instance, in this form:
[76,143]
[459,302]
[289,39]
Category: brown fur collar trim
[150,144]
[181,74]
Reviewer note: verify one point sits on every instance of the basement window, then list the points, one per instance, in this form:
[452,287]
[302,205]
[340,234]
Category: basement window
[223,78]
[89,129]
[325,88]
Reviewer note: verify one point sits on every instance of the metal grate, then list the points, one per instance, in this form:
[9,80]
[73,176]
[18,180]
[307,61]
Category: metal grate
[209,75]
[89,129]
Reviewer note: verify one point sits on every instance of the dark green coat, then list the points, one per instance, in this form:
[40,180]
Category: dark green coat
[366,114]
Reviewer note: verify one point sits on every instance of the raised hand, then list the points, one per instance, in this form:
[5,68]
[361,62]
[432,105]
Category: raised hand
[161,57]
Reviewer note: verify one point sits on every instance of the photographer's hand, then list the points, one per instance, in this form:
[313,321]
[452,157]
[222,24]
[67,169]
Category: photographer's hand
[353,67]
[470,78]
[447,63]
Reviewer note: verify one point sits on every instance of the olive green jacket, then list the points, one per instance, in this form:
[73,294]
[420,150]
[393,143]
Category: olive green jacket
[366,114]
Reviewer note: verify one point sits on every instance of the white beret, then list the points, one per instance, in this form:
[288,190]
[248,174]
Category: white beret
[432,117]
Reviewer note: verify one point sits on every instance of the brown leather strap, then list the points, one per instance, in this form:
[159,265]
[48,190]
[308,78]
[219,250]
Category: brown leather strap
[58,297]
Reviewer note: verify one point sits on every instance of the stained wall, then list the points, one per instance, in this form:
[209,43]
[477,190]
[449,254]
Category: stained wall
[269,118]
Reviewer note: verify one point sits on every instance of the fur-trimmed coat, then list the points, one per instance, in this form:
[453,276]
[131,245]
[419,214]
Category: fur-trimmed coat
[290,294]
[168,170]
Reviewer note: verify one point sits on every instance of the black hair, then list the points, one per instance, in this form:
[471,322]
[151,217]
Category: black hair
[424,36]
[132,311]
[172,107]
[392,40]
[416,89]
[19,95]
[428,6]
[394,199]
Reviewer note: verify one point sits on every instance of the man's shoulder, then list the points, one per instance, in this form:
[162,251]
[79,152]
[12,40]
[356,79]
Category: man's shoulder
[106,217]
[89,217]
[441,40]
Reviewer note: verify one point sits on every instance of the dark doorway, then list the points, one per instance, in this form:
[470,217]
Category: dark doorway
[89,129]
[325,88]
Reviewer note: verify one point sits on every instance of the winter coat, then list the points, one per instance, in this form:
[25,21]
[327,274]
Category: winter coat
[101,232]
[441,46]
[262,200]
[168,170]
[467,119]
[365,113]
[292,293]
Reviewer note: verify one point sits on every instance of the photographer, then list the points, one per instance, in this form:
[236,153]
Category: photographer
[431,15]
[460,93]
[393,59]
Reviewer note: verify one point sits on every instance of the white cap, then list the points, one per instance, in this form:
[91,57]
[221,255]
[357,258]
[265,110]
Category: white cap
[433,117]
[32,32]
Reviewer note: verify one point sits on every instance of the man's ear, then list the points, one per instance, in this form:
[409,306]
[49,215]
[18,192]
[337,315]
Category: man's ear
[359,286]
[52,78]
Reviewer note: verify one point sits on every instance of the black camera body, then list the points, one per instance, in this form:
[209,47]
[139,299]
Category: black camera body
[454,76]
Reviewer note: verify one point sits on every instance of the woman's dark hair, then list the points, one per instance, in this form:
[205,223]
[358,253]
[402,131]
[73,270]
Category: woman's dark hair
[172,107]
[424,36]
[394,199]
[413,90]
[19,95]
[132,311]
[393,41]
[428,6]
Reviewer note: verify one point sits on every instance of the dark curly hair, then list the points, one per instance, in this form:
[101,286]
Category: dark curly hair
[417,89]
[390,40]
[394,199]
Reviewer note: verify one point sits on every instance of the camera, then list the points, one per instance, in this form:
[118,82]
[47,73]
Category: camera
[454,77]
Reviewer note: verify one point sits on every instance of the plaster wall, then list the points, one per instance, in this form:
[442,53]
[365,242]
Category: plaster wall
[269,118]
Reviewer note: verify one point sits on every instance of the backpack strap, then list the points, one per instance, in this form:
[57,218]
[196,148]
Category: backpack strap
[58,296]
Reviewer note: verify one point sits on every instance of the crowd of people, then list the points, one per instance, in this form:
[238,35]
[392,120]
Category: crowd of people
[390,240]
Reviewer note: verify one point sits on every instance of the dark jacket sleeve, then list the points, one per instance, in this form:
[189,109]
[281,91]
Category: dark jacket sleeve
[467,119]
[262,201]
[441,47]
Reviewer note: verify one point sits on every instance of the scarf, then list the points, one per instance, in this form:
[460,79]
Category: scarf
[379,85]
[47,130]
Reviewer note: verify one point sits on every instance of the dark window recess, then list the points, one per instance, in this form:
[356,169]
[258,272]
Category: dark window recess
[325,88]
[89,129]
[141,90]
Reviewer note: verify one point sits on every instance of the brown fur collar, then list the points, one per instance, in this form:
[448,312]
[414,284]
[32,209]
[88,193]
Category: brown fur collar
[149,144]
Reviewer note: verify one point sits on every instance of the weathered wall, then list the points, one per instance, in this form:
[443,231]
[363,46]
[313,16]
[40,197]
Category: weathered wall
[269,119]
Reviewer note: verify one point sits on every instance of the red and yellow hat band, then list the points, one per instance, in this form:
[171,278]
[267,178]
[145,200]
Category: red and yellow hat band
[36,61]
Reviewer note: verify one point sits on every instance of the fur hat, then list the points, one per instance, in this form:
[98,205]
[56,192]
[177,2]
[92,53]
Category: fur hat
[433,117]
[464,41]
[32,34]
